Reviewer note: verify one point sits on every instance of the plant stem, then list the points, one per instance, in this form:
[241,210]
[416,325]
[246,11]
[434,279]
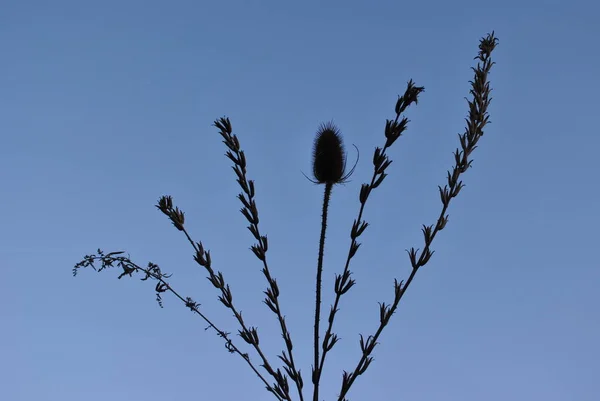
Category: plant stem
[316,368]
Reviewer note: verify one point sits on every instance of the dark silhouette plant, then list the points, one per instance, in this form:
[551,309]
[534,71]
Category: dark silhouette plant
[329,168]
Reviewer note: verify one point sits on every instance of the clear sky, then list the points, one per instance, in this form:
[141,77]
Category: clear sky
[106,106]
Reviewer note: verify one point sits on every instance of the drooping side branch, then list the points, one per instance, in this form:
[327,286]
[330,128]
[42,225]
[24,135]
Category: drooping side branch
[153,271]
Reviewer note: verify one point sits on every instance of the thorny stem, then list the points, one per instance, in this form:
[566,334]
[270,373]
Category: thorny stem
[478,118]
[316,369]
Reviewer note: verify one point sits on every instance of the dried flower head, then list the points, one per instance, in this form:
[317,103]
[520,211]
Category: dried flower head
[329,156]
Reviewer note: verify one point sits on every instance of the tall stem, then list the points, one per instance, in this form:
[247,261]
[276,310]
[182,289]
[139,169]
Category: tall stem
[316,373]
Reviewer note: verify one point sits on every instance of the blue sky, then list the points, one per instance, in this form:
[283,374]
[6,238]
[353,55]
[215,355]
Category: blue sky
[106,106]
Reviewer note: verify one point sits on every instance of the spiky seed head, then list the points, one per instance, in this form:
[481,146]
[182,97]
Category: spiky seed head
[329,157]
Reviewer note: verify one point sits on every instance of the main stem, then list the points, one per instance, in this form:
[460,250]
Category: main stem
[316,367]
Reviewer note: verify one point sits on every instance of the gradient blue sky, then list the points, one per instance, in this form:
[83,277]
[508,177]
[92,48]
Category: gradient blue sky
[106,106]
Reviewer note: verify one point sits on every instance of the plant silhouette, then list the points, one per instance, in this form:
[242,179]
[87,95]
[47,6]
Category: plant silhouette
[329,168]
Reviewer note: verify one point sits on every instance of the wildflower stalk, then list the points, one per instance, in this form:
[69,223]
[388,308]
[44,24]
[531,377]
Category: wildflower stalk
[316,371]
[250,211]
[477,120]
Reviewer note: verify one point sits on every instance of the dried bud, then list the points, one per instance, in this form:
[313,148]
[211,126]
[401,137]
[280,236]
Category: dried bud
[329,157]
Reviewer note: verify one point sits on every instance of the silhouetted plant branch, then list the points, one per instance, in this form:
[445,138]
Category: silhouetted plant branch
[153,272]
[478,118]
[329,168]
[250,211]
[203,258]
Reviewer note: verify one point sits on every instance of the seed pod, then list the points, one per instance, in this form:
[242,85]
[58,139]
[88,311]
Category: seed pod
[329,157]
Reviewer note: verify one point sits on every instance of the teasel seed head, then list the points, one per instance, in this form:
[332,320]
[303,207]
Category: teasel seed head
[329,156]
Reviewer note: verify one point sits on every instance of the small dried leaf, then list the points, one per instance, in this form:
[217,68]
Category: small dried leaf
[353,248]
[271,305]
[412,254]
[365,190]
[364,365]
[379,180]
[258,252]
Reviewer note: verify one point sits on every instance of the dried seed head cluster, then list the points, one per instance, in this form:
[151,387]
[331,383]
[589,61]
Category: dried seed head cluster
[329,155]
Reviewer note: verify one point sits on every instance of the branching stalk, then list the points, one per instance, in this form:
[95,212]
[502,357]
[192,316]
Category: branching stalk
[203,258]
[250,211]
[477,120]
